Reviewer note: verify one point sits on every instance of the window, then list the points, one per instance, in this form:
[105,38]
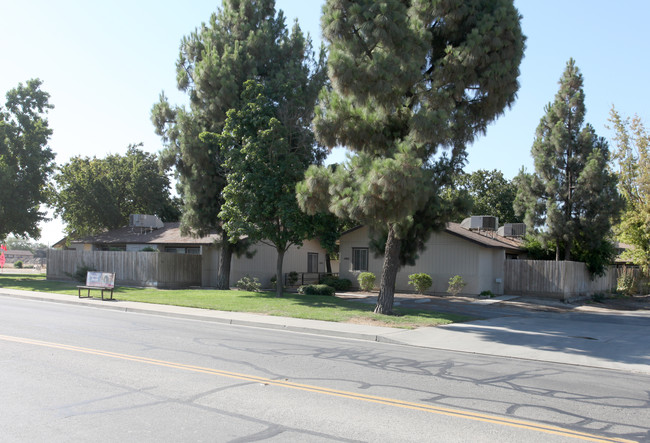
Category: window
[312,262]
[359,259]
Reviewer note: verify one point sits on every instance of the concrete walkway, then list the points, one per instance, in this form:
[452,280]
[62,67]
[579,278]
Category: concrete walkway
[584,336]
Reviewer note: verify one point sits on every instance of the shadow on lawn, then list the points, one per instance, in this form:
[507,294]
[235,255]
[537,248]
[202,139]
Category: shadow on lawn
[326,301]
[37,283]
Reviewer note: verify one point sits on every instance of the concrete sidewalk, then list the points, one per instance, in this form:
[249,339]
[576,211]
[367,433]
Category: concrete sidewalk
[608,340]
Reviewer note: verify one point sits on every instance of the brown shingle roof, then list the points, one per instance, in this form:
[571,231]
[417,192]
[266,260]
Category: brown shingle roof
[18,253]
[487,240]
[169,234]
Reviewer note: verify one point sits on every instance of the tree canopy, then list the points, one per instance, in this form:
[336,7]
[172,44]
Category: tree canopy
[265,159]
[95,195]
[26,162]
[489,192]
[412,83]
[17,243]
[572,194]
[633,157]
[244,40]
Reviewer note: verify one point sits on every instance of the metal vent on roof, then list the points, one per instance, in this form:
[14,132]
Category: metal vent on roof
[145,221]
[481,223]
[512,230]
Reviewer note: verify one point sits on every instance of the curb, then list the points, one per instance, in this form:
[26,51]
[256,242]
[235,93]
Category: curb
[213,316]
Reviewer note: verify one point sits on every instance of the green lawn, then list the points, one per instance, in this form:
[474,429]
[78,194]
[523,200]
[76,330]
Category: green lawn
[291,305]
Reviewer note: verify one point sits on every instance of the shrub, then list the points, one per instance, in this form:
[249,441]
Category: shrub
[340,284]
[292,278]
[248,284]
[625,284]
[599,297]
[487,294]
[366,281]
[274,281]
[18,264]
[81,273]
[456,284]
[316,290]
[421,282]
[148,249]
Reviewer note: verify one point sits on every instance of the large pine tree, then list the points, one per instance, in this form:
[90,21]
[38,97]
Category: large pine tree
[413,82]
[244,40]
[572,195]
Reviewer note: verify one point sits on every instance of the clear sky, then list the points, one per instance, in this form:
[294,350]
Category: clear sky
[105,64]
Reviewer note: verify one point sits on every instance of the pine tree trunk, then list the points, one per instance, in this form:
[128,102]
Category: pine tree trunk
[223,271]
[388,274]
[279,283]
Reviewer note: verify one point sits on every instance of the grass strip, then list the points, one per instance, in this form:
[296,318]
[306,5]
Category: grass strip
[314,307]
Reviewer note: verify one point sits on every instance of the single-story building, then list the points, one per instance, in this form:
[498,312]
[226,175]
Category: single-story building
[308,258]
[478,256]
[14,255]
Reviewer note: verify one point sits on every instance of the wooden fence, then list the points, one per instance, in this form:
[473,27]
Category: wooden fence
[565,280]
[157,269]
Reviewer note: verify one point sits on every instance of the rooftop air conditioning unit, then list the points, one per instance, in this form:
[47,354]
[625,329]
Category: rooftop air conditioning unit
[145,221]
[512,230]
[481,223]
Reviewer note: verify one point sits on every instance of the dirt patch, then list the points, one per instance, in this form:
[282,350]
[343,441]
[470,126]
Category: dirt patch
[385,324]
[367,321]
[623,303]
[10,270]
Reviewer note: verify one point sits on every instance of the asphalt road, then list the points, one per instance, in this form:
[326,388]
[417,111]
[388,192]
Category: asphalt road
[71,373]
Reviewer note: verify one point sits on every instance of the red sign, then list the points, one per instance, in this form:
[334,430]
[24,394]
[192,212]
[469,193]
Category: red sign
[2,260]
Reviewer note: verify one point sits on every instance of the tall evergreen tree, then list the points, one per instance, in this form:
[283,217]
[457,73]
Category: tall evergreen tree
[633,157]
[409,80]
[26,162]
[244,40]
[572,194]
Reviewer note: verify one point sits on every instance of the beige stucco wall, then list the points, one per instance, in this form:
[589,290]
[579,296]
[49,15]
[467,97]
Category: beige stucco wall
[446,255]
[263,263]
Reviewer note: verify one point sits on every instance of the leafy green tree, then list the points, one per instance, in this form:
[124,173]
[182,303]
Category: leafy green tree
[95,195]
[244,40]
[572,194]
[490,193]
[412,83]
[328,229]
[633,158]
[26,162]
[23,244]
[265,159]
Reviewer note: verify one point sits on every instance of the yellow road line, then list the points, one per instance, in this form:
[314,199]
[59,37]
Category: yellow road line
[327,391]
